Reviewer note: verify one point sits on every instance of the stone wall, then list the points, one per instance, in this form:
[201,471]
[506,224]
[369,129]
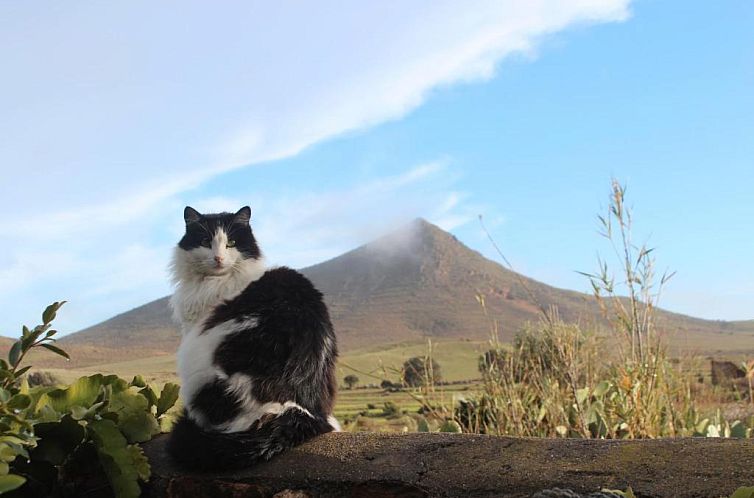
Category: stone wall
[427,465]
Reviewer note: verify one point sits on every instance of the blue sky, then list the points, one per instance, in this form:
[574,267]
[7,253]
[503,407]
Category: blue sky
[337,125]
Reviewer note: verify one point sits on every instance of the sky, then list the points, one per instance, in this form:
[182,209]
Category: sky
[339,121]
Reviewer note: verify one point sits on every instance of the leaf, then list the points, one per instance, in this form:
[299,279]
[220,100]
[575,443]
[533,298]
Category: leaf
[14,353]
[168,397]
[134,417]
[140,462]
[744,492]
[138,381]
[82,392]
[117,460]
[57,440]
[139,427]
[48,414]
[49,313]
[582,394]
[737,429]
[602,388]
[23,371]
[10,482]
[713,430]
[701,427]
[78,412]
[56,350]
[7,453]
[148,393]
[116,383]
[82,413]
[19,402]
[166,423]
[29,338]
[542,414]
[23,388]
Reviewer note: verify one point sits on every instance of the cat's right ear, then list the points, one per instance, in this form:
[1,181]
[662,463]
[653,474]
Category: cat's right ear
[191,215]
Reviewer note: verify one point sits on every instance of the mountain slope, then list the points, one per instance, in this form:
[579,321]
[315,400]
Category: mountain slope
[416,282]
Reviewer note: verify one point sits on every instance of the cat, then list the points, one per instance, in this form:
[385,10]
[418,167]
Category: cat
[257,353]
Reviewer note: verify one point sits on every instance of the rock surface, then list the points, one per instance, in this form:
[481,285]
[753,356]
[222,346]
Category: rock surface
[372,465]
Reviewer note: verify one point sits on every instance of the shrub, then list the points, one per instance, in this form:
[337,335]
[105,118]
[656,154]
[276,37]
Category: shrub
[420,370]
[390,386]
[390,409]
[68,441]
[351,380]
[560,380]
[43,378]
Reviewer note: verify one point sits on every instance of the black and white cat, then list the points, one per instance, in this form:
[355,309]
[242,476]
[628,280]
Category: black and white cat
[257,354]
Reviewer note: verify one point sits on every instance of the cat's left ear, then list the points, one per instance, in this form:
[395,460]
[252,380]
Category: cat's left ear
[191,215]
[243,215]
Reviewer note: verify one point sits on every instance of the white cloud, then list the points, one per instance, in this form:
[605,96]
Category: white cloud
[163,109]
[112,111]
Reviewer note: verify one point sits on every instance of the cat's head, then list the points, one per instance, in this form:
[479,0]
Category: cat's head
[216,244]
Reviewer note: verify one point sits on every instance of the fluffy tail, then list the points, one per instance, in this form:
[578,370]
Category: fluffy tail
[196,448]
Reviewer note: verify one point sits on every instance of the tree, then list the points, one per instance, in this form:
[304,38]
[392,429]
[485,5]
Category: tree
[351,380]
[421,370]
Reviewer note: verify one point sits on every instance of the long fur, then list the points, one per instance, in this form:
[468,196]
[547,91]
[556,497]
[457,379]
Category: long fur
[196,448]
[257,354]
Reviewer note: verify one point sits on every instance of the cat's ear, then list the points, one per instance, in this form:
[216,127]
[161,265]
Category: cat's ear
[243,215]
[191,215]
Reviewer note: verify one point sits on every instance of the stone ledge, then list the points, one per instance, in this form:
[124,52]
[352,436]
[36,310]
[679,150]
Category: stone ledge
[373,465]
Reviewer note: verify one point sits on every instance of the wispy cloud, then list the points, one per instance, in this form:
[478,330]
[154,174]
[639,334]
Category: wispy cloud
[306,227]
[101,132]
[266,101]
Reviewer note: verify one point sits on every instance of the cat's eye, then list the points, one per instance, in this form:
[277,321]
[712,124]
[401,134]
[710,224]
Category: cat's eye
[231,243]
[206,242]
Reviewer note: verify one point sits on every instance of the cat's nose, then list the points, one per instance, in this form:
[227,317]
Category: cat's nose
[218,259]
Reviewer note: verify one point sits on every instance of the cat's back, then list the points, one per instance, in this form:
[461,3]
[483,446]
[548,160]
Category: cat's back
[279,292]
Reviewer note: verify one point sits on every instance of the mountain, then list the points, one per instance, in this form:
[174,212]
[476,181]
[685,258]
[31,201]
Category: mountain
[416,282]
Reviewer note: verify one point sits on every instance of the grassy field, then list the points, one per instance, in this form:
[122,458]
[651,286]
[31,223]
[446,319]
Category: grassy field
[458,361]
[363,407]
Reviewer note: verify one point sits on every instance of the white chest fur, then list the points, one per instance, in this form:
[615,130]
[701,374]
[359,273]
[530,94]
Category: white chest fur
[196,294]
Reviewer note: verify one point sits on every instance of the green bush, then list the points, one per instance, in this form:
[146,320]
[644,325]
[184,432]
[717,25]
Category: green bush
[71,440]
[421,370]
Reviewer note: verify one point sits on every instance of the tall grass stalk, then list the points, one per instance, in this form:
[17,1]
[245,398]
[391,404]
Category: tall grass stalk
[560,380]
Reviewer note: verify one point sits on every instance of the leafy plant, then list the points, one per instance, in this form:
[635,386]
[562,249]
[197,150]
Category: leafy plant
[65,441]
[420,370]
